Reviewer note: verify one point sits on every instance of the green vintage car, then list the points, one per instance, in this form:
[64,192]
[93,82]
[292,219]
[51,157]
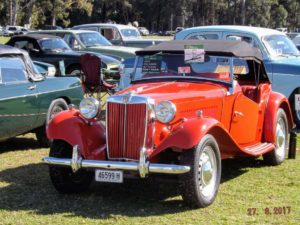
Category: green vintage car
[28,100]
[92,41]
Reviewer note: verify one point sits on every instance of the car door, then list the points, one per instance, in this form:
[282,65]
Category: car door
[112,34]
[244,121]
[18,103]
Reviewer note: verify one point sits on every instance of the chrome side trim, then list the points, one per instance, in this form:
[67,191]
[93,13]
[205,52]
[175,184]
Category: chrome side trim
[38,93]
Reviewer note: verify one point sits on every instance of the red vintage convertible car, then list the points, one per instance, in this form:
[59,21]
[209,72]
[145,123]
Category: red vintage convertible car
[191,104]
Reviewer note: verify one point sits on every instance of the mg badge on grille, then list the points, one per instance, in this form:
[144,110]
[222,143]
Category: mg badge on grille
[126,97]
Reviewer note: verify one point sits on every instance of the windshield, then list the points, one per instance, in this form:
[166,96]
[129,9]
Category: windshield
[12,70]
[93,39]
[278,45]
[130,33]
[178,66]
[53,44]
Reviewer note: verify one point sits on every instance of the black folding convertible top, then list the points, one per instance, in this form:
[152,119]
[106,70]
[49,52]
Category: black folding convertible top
[238,49]
[33,36]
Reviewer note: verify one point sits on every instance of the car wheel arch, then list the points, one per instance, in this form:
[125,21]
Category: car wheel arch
[73,65]
[291,100]
[204,126]
[276,101]
[67,99]
[88,138]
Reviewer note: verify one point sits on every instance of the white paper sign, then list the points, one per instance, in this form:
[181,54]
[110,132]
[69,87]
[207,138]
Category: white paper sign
[194,53]
[297,101]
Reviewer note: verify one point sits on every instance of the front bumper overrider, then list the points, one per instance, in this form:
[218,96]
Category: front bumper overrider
[144,167]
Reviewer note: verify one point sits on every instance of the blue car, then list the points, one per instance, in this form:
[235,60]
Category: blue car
[280,55]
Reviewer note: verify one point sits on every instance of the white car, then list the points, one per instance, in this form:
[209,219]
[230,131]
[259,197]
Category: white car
[144,31]
[4,32]
[119,34]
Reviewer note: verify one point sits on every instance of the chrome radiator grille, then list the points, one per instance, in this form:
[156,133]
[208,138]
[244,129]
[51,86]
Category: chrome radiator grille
[126,128]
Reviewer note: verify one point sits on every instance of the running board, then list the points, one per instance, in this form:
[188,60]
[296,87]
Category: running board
[259,149]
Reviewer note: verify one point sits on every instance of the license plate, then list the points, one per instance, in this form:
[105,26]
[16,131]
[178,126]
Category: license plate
[112,176]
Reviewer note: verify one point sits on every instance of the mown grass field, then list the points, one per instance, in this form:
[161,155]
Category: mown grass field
[28,197]
[3,40]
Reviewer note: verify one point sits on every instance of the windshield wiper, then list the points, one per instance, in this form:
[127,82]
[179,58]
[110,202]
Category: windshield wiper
[293,54]
[92,45]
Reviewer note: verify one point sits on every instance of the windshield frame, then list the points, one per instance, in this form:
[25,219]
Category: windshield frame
[185,77]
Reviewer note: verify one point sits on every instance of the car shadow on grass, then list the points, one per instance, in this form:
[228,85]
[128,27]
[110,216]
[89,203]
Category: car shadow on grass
[19,143]
[232,168]
[29,188]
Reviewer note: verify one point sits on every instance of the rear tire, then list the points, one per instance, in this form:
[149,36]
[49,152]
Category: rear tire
[63,178]
[278,155]
[55,107]
[200,185]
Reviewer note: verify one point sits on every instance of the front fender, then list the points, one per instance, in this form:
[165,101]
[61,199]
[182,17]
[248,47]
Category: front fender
[88,135]
[276,101]
[187,134]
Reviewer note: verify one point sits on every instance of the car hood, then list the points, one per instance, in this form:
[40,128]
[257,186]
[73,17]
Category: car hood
[178,91]
[114,48]
[289,65]
[73,54]
[141,43]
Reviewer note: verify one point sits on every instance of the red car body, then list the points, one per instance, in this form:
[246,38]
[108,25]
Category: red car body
[240,117]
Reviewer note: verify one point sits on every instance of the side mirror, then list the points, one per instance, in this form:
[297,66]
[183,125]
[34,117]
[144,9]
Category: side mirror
[77,47]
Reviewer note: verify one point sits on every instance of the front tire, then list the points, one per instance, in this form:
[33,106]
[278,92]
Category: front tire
[63,178]
[278,155]
[74,70]
[200,185]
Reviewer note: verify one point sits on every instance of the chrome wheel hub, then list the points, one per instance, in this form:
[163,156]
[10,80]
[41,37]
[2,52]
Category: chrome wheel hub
[280,138]
[207,172]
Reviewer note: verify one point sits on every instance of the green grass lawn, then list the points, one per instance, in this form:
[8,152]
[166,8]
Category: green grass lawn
[28,197]
[3,40]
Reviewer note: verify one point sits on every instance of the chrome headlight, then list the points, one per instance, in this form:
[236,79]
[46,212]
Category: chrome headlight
[89,107]
[165,111]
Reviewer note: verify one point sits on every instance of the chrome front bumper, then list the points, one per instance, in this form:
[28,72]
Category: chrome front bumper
[143,166]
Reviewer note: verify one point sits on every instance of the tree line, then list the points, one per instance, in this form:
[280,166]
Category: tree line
[156,15]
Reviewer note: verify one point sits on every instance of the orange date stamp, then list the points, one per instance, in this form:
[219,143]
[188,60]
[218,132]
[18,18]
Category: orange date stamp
[281,210]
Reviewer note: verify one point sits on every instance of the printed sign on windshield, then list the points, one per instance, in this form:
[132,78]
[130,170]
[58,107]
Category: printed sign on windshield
[152,64]
[194,53]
